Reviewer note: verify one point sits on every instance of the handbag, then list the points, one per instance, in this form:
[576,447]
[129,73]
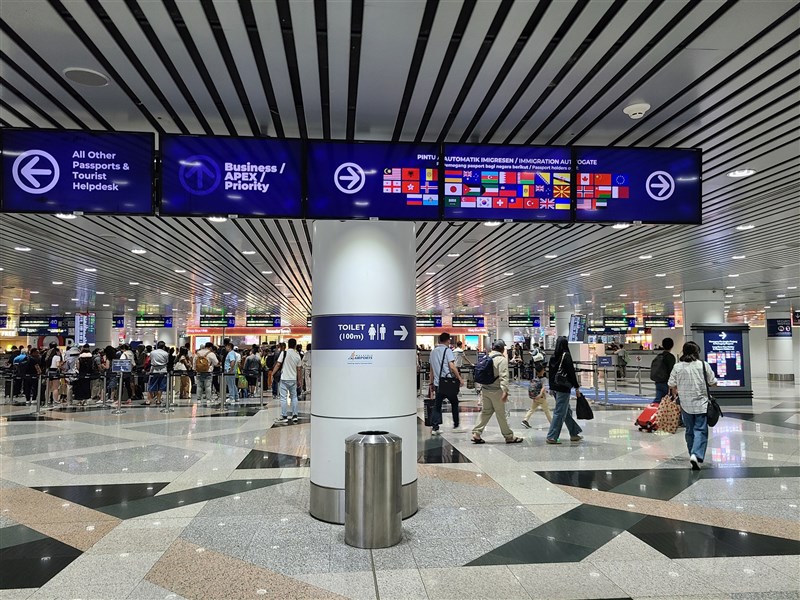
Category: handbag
[668,415]
[561,379]
[713,411]
[448,386]
[582,409]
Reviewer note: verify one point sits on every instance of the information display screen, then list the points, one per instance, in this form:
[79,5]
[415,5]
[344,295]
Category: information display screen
[33,325]
[265,321]
[472,321]
[3,321]
[429,321]
[638,184]
[625,322]
[250,177]
[77,171]
[577,328]
[725,354]
[153,321]
[650,322]
[347,180]
[217,321]
[532,321]
[501,183]
[85,332]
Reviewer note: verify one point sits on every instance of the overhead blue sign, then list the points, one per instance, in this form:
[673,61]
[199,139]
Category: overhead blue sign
[779,328]
[507,183]
[225,175]
[119,321]
[350,180]
[364,332]
[429,321]
[3,322]
[651,185]
[77,171]
[725,353]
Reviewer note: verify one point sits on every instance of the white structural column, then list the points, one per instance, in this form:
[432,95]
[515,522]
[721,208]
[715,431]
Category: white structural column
[104,328]
[702,306]
[780,353]
[363,327]
[562,323]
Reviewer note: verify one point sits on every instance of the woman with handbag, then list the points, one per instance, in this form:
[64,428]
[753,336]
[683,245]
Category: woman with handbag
[690,379]
[562,377]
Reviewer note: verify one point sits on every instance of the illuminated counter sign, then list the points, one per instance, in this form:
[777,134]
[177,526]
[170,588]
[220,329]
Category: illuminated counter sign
[368,180]
[153,321]
[648,185]
[477,321]
[506,183]
[429,321]
[532,321]
[119,321]
[248,177]
[621,322]
[33,325]
[724,352]
[77,171]
[217,321]
[651,322]
[264,321]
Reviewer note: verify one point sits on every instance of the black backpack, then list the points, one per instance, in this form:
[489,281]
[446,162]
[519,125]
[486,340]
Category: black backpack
[484,370]
[86,365]
[658,368]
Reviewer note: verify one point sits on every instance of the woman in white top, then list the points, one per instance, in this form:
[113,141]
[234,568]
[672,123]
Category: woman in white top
[182,365]
[53,361]
[690,378]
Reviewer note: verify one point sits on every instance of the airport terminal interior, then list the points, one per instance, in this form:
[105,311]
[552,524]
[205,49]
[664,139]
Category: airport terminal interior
[176,172]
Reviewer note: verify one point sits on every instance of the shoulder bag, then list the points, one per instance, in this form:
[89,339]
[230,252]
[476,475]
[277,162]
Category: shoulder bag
[448,386]
[713,411]
[582,409]
[561,379]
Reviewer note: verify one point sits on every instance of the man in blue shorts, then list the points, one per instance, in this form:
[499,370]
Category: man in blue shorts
[158,373]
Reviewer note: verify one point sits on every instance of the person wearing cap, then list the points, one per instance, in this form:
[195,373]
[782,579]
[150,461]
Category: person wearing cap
[494,397]
[232,359]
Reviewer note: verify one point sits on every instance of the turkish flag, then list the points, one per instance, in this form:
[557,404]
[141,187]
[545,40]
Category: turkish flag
[531,203]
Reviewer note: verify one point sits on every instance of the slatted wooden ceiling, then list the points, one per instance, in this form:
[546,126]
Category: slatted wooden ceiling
[722,76]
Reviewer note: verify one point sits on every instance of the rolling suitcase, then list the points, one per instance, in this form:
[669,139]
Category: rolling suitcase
[646,421]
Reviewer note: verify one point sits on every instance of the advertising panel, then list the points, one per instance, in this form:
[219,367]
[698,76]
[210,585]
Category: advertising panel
[249,177]
[77,171]
[350,180]
[506,183]
[650,185]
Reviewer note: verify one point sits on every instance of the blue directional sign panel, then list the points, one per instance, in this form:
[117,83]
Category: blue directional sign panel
[373,180]
[725,353]
[364,332]
[507,183]
[223,176]
[651,185]
[119,321]
[605,361]
[779,328]
[3,321]
[77,171]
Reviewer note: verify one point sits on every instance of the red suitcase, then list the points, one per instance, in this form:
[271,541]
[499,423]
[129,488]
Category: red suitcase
[646,421]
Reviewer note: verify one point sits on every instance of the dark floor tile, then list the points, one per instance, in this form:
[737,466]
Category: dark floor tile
[258,459]
[95,496]
[602,480]
[32,564]
[27,417]
[532,549]
[438,450]
[778,419]
[599,515]
[749,472]
[682,539]
[658,484]
[18,534]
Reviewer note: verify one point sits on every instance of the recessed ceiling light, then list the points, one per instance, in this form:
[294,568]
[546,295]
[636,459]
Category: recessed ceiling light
[226,293]
[453,255]
[730,287]
[165,293]
[84,76]
[623,295]
[180,270]
[106,305]
[741,173]
[100,293]
[208,284]
[131,299]
[493,301]
[603,305]
[766,307]
[58,283]
[34,291]
[607,287]
[676,295]
[792,287]
[480,285]
[508,273]
[645,256]
[585,274]
[22,248]
[430,272]
[75,299]
[90,270]
[217,219]
[738,257]
[733,275]
[781,296]
[492,223]
[54,305]
[541,301]
[266,272]
[515,294]
[745,227]
[139,251]
[727,302]
[37,308]
[729,295]
[661,274]
[65,216]
[16,299]
[248,252]
[620,225]
[570,295]
[773,301]
[669,287]
[560,306]
[133,283]
[589,301]
[544,285]
[551,255]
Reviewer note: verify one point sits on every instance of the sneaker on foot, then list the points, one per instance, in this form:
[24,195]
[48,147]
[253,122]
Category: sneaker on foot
[695,463]
[575,438]
[435,432]
[295,418]
[526,424]
[282,420]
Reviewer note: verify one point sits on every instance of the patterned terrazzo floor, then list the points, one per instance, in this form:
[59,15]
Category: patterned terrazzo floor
[148,505]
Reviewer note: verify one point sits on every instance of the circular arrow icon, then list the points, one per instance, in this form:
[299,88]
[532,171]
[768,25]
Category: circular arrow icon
[33,174]
[349,178]
[660,185]
[199,175]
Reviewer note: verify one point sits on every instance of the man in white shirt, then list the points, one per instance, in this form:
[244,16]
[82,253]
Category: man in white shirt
[307,371]
[205,361]
[443,365]
[291,374]
[158,373]
[232,360]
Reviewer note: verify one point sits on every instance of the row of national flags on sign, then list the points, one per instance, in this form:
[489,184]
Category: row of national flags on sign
[533,190]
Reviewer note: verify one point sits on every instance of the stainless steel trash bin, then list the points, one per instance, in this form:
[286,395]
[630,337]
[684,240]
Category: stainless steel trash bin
[372,484]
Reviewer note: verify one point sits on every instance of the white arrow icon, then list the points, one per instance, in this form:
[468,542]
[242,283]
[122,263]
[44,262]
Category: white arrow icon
[723,335]
[402,333]
[661,181]
[351,173]
[26,174]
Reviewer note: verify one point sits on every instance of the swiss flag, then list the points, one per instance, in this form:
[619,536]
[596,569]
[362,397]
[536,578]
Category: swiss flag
[411,174]
[499,202]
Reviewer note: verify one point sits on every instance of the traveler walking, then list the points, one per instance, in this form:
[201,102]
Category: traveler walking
[562,379]
[306,362]
[494,396]
[276,373]
[661,367]
[538,395]
[690,379]
[288,369]
[205,362]
[446,382]
[230,366]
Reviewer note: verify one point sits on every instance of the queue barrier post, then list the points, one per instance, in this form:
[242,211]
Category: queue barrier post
[605,383]
[616,389]
[261,388]
[167,408]
[118,410]
[639,377]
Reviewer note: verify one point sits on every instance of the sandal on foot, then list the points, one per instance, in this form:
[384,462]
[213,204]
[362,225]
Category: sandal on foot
[549,441]
[478,440]
[514,440]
